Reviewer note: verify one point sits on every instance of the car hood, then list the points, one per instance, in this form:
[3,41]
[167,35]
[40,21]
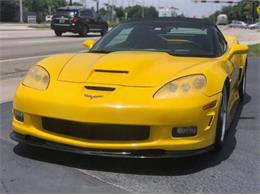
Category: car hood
[136,69]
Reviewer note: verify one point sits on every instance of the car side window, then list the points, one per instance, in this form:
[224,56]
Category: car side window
[87,13]
[222,44]
[94,14]
[82,13]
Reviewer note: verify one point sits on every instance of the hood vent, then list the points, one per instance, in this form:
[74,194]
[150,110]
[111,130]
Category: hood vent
[112,71]
[95,88]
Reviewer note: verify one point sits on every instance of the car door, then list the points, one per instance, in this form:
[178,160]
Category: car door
[102,22]
[98,20]
[236,24]
[88,18]
[93,19]
[241,24]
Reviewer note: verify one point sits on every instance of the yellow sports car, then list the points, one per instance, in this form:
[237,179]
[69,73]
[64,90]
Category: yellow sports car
[151,88]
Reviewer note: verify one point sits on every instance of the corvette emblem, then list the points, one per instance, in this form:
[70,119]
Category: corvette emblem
[93,96]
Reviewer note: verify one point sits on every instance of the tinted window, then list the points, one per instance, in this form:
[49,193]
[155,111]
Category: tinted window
[121,37]
[87,13]
[67,13]
[176,38]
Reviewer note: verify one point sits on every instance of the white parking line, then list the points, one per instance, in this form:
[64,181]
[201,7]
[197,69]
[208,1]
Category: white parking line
[23,58]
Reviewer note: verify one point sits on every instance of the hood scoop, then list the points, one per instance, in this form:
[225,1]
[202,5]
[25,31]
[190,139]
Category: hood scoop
[97,88]
[106,76]
[112,71]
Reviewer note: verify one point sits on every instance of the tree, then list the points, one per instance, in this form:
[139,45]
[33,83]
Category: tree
[120,14]
[9,10]
[150,12]
[245,10]
[135,12]
[77,4]
[103,12]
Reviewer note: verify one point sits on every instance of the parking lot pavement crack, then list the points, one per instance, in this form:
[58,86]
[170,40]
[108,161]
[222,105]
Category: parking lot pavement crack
[104,181]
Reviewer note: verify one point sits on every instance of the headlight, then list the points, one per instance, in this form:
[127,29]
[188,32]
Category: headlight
[37,78]
[182,86]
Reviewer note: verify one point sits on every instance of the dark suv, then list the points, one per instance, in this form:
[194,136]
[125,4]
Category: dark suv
[77,20]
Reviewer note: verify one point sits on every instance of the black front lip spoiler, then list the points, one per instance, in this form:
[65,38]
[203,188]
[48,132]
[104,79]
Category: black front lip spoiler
[30,140]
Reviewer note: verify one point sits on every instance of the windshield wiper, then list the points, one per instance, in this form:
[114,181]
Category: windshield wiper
[100,51]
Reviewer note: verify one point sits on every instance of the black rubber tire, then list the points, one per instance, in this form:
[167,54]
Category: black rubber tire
[221,128]
[242,87]
[104,31]
[58,33]
[84,31]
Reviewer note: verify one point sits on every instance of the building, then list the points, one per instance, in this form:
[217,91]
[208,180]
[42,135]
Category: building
[169,12]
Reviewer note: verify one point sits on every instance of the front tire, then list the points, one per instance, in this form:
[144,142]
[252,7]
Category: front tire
[58,33]
[104,31]
[83,31]
[222,121]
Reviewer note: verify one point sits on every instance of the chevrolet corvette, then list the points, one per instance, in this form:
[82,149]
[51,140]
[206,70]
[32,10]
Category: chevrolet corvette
[153,88]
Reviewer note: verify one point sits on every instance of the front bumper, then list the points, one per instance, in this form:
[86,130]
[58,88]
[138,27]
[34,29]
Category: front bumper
[107,153]
[141,109]
[65,27]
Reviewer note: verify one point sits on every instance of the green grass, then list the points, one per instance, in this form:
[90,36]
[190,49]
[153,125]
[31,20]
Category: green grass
[254,50]
[40,26]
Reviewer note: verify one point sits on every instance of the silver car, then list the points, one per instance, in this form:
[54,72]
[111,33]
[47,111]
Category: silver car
[254,26]
[238,24]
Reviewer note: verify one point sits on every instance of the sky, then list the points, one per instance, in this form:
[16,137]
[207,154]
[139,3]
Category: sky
[187,7]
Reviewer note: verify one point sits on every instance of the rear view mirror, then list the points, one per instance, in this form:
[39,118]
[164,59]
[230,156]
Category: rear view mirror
[237,49]
[89,43]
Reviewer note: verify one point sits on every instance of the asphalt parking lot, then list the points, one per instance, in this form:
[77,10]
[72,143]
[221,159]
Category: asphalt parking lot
[236,169]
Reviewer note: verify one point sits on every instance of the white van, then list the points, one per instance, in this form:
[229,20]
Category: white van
[222,19]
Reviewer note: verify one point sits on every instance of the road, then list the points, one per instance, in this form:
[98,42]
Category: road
[236,169]
[245,36]
[36,43]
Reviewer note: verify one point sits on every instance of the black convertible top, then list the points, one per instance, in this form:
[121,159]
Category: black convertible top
[174,19]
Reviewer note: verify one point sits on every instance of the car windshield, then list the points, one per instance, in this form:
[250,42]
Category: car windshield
[175,38]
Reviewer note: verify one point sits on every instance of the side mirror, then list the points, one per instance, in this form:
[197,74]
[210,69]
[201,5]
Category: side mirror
[237,49]
[89,43]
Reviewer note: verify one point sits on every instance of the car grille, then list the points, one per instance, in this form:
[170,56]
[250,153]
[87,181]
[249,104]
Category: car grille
[96,132]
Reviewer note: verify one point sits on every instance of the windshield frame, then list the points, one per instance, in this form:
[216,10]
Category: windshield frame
[107,38]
